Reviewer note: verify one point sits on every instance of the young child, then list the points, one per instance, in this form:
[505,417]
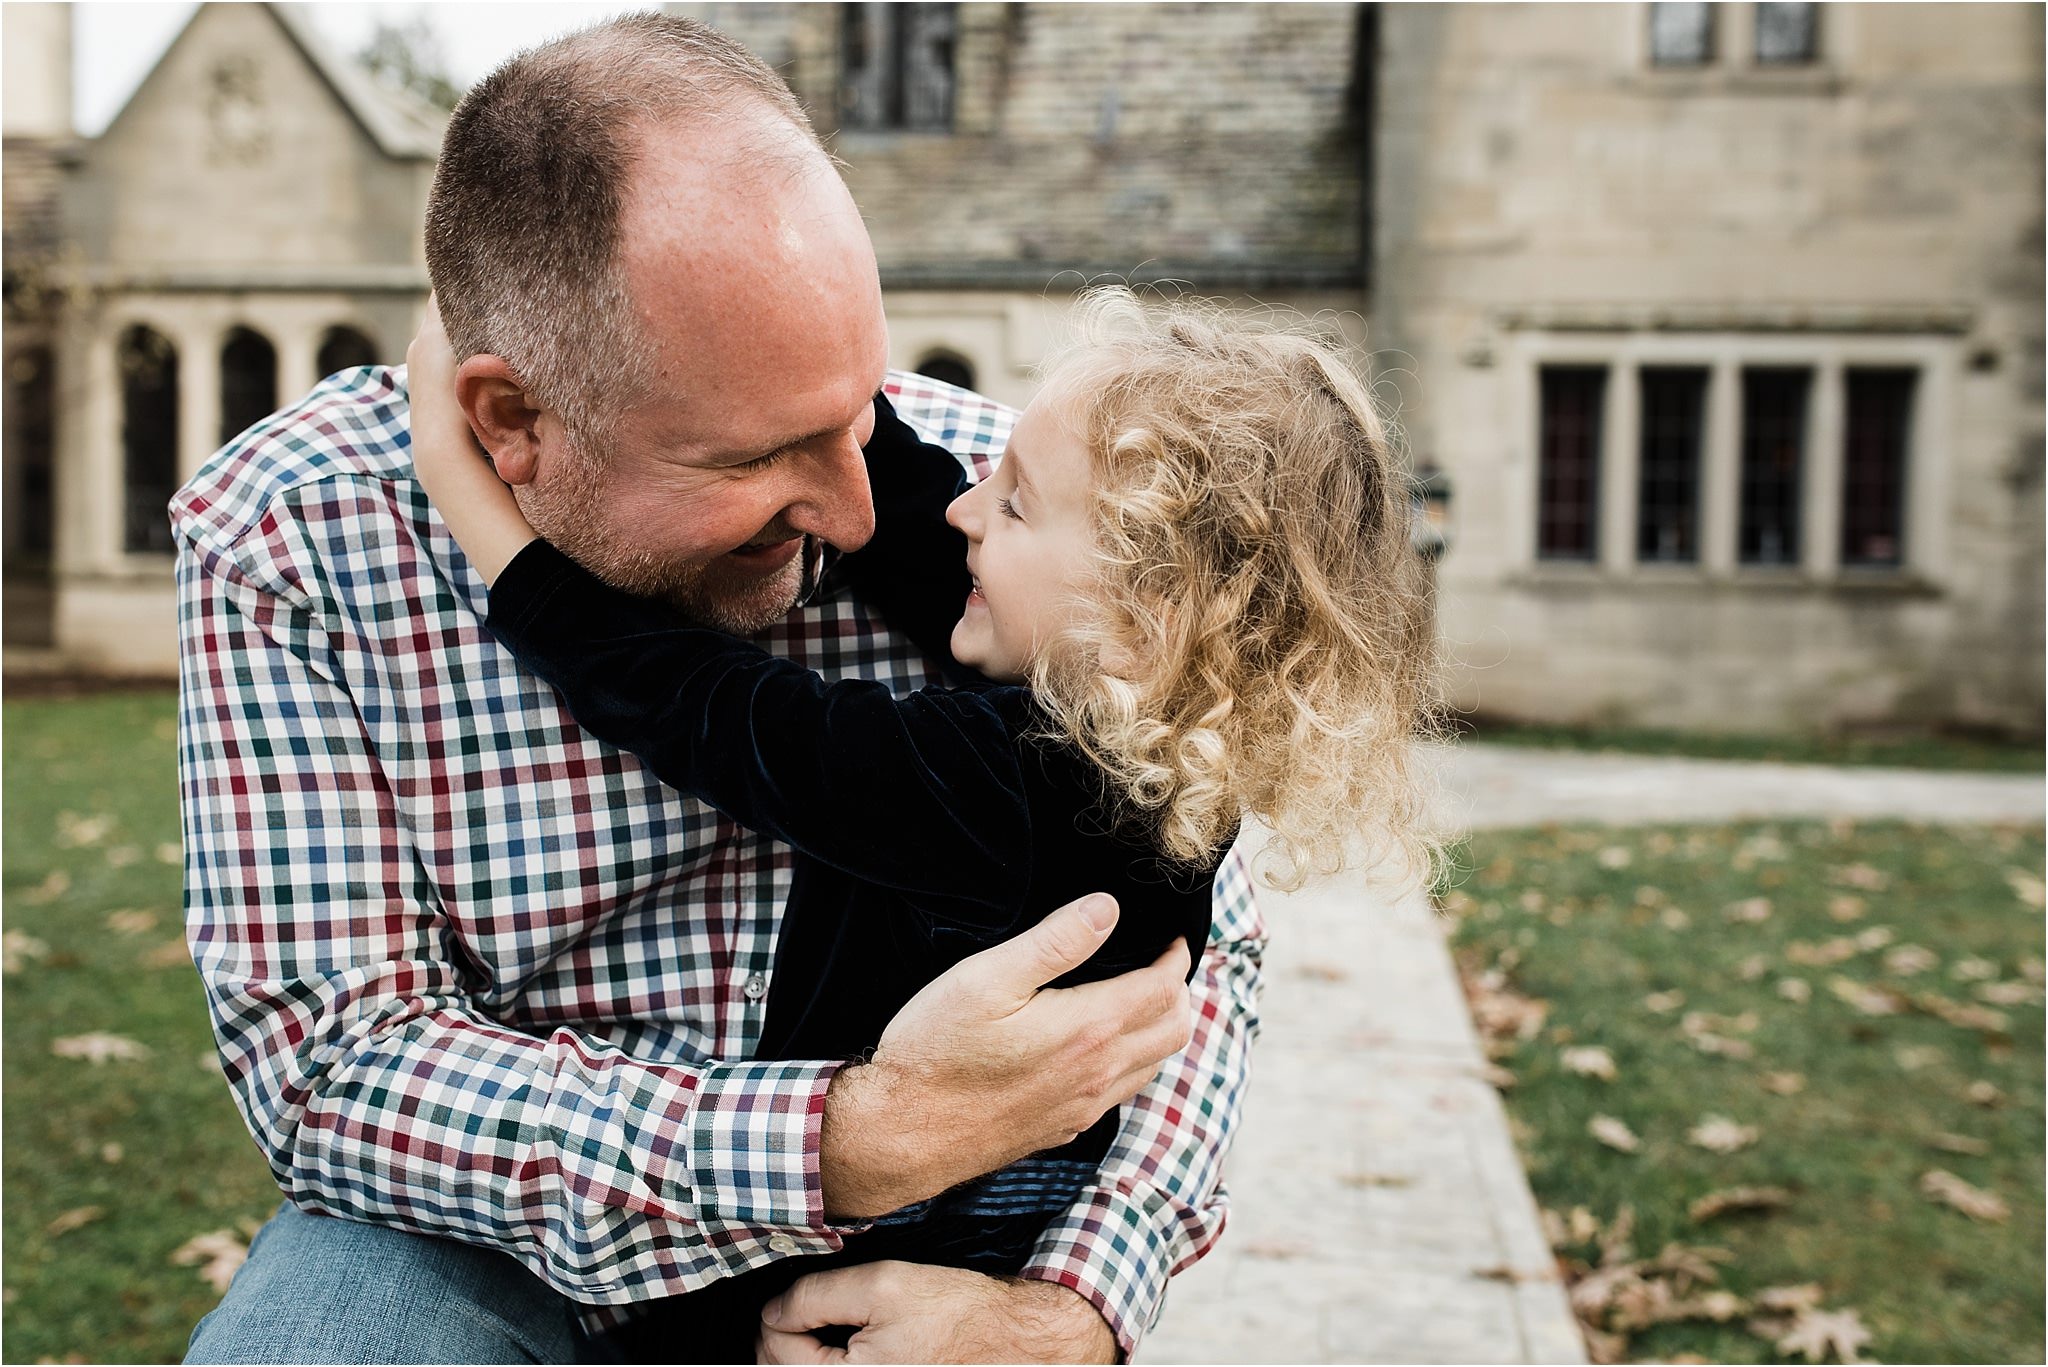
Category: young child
[1185,593]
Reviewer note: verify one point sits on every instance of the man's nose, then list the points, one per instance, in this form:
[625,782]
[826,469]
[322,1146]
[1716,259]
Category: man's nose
[836,505]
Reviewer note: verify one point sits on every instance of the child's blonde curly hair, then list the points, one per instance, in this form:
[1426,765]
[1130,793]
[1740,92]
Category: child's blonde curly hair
[1258,638]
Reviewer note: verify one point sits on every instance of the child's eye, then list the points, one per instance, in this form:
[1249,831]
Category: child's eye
[1008,509]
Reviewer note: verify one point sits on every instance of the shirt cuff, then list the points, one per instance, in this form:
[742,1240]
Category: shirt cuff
[751,1152]
[1116,1248]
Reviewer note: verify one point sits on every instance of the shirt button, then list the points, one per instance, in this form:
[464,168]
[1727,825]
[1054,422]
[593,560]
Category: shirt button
[782,1243]
[757,987]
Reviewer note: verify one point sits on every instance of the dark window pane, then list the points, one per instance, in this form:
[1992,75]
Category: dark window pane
[1879,416]
[1674,425]
[248,382]
[1681,34]
[30,437]
[943,365]
[1568,462]
[149,438]
[896,66]
[1785,34]
[1773,453]
[345,349]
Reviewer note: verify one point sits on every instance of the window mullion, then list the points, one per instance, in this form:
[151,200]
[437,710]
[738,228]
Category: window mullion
[1721,472]
[1821,494]
[1618,468]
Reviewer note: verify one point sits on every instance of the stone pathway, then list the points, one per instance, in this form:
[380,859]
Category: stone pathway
[1379,1213]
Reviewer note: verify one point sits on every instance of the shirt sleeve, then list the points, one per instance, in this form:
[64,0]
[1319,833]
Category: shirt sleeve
[1158,1202]
[842,771]
[345,1014]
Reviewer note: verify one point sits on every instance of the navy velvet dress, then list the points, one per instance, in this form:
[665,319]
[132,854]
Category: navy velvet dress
[925,828]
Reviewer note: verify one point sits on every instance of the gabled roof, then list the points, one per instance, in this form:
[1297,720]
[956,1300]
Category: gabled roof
[404,126]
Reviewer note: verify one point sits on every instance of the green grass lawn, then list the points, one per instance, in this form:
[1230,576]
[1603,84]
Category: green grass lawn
[1904,751]
[1596,924]
[90,837]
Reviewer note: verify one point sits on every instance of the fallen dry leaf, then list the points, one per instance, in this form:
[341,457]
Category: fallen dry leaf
[1592,1060]
[1790,1300]
[121,856]
[1875,938]
[169,954]
[1723,1047]
[17,948]
[131,922]
[2009,993]
[98,1046]
[74,830]
[1616,857]
[1913,1057]
[1708,1022]
[1785,1084]
[1663,1002]
[1906,960]
[1730,1199]
[49,890]
[112,1153]
[1495,1076]
[1749,911]
[1970,968]
[1795,990]
[1984,1093]
[1753,967]
[76,1218]
[1719,1134]
[1822,955]
[1861,877]
[2026,886]
[1671,918]
[1613,1133]
[1846,906]
[1817,1333]
[217,1255]
[1951,1190]
[1963,1015]
[1958,1143]
[1866,999]
[170,853]
[2032,970]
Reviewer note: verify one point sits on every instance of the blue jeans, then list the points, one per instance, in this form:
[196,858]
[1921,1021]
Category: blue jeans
[317,1289]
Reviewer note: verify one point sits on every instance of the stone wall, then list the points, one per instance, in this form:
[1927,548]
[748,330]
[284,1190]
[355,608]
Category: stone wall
[1546,194]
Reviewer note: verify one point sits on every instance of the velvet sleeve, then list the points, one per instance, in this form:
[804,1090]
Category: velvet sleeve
[913,570]
[922,794]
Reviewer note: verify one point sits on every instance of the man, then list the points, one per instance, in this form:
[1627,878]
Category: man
[479,982]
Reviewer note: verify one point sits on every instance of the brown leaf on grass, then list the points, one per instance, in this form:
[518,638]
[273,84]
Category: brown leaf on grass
[1962,1015]
[121,856]
[74,830]
[1753,967]
[1971,968]
[169,954]
[2009,993]
[1719,1134]
[1872,939]
[2031,969]
[217,1255]
[98,1046]
[1671,918]
[1500,1012]
[1798,991]
[1865,998]
[170,853]
[1958,1143]
[1615,857]
[76,1218]
[131,922]
[1913,1057]
[49,890]
[1822,955]
[1603,1348]
[1496,1077]
[1784,1084]
[1710,1023]
[1664,1002]
[2026,885]
[16,949]
[1903,961]
[1592,1060]
[1846,906]
[1985,1093]
[1733,1199]
[1861,877]
[1789,1300]
[112,1153]
[1614,1239]
[1613,1133]
[1718,1306]
[1748,911]
[1975,1202]
[1723,1047]
[1816,1334]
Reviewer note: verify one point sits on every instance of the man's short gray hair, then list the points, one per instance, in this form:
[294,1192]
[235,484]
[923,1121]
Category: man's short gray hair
[523,230]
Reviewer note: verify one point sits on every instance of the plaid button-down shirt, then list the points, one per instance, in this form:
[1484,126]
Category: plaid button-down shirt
[476,974]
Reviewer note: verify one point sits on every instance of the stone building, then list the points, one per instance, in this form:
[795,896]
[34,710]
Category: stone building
[1716,328]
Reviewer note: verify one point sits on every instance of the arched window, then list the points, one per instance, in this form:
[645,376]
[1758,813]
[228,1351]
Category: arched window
[31,403]
[149,437]
[343,348]
[948,366]
[248,382]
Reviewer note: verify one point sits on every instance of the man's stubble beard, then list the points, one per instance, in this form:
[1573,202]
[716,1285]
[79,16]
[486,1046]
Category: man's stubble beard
[562,511]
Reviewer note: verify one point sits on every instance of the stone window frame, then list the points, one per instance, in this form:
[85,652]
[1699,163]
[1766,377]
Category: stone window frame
[1725,355]
[1732,62]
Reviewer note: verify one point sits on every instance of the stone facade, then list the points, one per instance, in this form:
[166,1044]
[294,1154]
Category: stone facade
[1547,195]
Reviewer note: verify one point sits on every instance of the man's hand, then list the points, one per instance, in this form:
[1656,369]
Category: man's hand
[983,1067]
[907,1312]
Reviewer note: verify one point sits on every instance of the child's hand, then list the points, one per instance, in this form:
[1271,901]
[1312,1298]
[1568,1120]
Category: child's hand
[477,506]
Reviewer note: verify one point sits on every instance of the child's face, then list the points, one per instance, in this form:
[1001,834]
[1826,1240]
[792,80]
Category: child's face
[1029,544]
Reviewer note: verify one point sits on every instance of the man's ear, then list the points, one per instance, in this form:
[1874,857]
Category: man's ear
[502,414]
